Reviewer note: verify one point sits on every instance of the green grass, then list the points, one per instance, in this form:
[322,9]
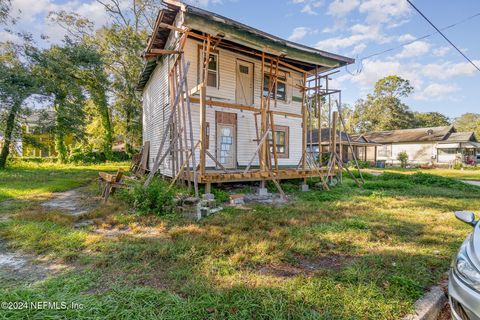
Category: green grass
[466,174]
[26,180]
[347,253]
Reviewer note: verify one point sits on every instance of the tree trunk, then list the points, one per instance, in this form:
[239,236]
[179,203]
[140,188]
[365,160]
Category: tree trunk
[100,100]
[60,146]
[9,133]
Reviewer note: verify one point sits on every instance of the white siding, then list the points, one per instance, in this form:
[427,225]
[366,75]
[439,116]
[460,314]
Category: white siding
[418,152]
[155,98]
[156,111]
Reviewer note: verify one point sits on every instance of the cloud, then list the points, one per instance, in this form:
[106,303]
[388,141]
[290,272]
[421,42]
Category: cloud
[203,3]
[414,49]
[340,8]
[448,70]
[406,37]
[384,11]
[298,33]
[309,6]
[32,16]
[441,51]
[436,91]
[360,35]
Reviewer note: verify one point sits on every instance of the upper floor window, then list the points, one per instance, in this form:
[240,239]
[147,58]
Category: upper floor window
[212,66]
[281,87]
[212,77]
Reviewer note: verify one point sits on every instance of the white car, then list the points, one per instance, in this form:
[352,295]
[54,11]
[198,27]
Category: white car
[464,275]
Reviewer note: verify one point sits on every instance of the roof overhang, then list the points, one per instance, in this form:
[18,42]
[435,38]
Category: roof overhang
[200,21]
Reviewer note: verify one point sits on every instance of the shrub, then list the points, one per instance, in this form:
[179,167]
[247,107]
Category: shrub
[87,157]
[458,166]
[157,198]
[403,158]
[118,156]
[362,164]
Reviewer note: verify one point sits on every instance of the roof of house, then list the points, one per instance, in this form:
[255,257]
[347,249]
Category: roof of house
[325,132]
[410,135]
[461,137]
[234,32]
[446,134]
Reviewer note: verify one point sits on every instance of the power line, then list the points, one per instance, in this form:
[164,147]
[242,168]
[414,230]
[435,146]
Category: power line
[438,30]
[410,42]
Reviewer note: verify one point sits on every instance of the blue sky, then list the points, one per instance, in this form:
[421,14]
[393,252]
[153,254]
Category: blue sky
[443,80]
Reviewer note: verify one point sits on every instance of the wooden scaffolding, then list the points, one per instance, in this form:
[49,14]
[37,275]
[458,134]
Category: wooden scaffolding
[179,145]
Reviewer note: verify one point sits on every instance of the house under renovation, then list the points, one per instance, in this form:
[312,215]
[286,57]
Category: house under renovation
[437,145]
[224,102]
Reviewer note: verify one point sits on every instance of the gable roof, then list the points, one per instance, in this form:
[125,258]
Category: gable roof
[247,38]
[461,137]
[410,135]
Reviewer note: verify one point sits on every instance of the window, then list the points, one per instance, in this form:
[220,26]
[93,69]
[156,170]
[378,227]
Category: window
[281,141]
[212,74]
[281,88]
[447,151]
[212,78]
[384,151]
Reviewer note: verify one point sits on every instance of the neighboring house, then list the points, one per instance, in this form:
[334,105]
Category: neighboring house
[38,141]
[240,104]
[15,148]
[364,150]
[438,145]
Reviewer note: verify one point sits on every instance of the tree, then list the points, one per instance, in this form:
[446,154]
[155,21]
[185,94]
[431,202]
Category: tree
[468,122]
[67,71]
[403,158]
[383,110]
[430,119]
[120,44]
[16,85]
[4,10]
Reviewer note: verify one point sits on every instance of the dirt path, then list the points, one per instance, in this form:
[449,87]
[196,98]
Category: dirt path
[73,202]
[18,266]
[24,267]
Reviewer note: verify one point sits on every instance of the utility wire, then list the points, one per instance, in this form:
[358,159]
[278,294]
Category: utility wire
[409,42]
[438,30]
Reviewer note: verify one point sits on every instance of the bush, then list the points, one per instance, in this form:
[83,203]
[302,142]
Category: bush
[361,164]
[157,198]
[403,158]
[119,156]
[87,157]
[458,166]
[37,159]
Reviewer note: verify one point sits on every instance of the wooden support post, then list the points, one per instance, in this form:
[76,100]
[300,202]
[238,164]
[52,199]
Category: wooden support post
[304,124]
[334,132]
[203,128]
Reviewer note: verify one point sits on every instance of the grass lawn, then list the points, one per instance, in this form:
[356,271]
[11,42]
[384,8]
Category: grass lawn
[348,253]
[26,180]
[451,173]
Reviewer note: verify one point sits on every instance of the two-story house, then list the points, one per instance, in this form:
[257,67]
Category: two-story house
[249,100]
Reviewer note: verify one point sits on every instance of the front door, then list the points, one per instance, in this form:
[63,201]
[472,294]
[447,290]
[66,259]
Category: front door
[226,145]
[244,86]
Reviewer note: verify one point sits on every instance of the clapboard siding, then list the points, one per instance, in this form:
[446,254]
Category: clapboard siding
[156,108]
[418,152]
[156,111]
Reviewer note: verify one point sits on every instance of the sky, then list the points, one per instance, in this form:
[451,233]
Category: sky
[443,80]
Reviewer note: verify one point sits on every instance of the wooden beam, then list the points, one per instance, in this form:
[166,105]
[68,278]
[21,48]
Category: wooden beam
[163,51]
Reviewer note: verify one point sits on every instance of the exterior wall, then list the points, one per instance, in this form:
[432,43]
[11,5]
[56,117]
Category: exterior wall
[156,111]
[418,152]
[156,108]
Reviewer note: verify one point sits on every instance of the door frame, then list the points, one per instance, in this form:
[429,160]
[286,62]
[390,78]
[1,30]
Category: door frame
[219,120]
[238,60]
